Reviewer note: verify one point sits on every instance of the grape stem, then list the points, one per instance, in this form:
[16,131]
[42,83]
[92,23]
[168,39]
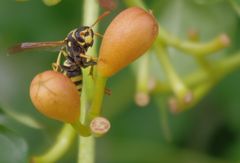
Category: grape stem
[86,153]
[59,148]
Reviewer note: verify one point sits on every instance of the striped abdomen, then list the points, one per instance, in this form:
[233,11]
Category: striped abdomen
[74,73]
[76,78]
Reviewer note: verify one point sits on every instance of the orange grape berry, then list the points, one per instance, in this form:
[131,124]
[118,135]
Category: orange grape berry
[55,96]
[130,35]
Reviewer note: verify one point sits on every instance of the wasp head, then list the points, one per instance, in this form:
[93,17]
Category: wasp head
[84,36]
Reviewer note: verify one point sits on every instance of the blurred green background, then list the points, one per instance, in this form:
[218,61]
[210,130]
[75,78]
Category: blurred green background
[208,133]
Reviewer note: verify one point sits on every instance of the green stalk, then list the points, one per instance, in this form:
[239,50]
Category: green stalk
[87,150]
[189,47]
[81,129]
[90,15]
[86,153]
[194,48]
[142,75]
[164,119]
[142,89]
[60,147]
[95,109]
[179,88]
[220,68]
[200,91]
[227,65]
[138,3]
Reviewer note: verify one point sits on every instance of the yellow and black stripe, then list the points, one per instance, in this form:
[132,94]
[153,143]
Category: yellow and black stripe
[74,72]
[75,77]
[77,80]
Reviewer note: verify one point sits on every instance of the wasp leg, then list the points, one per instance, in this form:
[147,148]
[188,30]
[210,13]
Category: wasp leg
[91,58]
[91,71]
[91,64]
[107,91]
[56,65]
[92,61]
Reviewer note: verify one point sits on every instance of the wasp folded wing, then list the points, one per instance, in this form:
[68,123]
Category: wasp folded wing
[34,45]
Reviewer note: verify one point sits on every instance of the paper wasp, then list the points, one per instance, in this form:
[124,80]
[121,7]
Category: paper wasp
[73,48]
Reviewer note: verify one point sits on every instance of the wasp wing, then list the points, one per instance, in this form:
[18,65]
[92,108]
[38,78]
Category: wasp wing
[34,45]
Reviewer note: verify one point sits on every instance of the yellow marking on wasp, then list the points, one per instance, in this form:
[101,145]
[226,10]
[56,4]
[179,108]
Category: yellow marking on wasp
[76,78]
[88,39]
[88,57]
[73,34]
[79,87]
[66,54]
[66,63]
[69,43]
[80,43]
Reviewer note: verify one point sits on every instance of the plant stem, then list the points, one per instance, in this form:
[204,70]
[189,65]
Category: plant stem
[177,85]
[164,119]
[220,68]
[138,3]
[189,47]
[194,48]
[142,97]
[81,129]
[142,75]
[226,65]
[90,14]
[98,97]
[62,144]
[200,91]
[87,150]
[86,153]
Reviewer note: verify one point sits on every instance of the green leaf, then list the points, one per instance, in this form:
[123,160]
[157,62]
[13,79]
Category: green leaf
[12,147]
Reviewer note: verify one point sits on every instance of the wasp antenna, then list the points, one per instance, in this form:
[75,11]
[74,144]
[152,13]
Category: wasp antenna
[100,18]
[98,34]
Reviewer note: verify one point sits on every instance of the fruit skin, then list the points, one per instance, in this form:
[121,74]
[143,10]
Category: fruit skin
[129,35]
[55,96]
